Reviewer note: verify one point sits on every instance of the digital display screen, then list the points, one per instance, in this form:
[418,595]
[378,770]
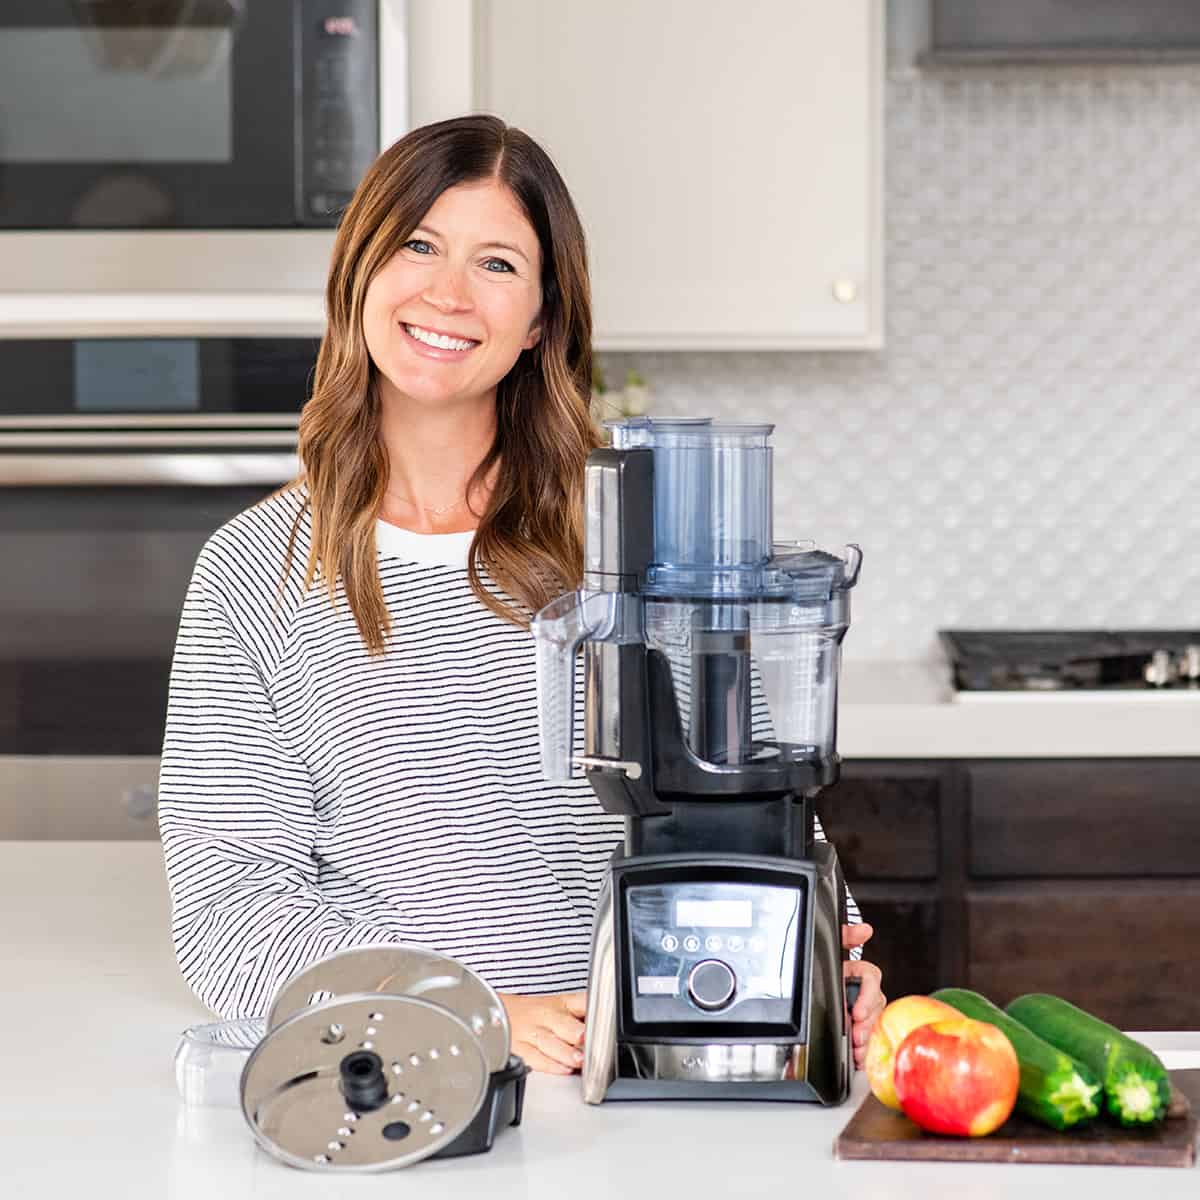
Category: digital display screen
[136,375]
[715,914]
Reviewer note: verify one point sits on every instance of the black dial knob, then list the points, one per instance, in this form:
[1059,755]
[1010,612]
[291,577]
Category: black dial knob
[711,985]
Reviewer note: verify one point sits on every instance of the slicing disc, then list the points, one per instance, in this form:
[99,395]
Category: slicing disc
[415,1073]
[406,971]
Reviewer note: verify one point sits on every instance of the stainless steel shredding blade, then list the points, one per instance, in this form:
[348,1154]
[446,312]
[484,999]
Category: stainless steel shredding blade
[363,1082]
[405,971]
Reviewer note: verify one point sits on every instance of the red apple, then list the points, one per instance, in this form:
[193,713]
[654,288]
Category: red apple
[957,1076]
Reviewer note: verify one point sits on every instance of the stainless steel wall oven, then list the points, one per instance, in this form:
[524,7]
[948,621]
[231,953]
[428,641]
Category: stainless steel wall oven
[118,458]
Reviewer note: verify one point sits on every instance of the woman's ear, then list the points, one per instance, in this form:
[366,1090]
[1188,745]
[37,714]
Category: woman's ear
[533,336]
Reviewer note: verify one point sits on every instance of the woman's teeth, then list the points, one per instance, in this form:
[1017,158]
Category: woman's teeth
[437,339]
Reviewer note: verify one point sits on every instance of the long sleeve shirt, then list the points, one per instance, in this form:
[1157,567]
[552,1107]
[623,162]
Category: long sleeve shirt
[313,797]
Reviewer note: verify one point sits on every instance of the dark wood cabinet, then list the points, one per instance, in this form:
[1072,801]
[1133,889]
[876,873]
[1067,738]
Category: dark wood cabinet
[1123,952]
[1073,818]
[1078,877]
[884,819]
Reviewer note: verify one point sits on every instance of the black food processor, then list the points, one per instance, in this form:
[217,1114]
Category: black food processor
[710,660]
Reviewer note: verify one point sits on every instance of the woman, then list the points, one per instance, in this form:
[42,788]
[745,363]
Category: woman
[351,752]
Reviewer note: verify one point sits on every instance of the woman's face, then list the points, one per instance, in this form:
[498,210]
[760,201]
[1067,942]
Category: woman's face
[471,270]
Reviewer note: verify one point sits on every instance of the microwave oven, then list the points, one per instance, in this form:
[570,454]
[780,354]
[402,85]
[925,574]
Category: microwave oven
[185,114]
[181,165]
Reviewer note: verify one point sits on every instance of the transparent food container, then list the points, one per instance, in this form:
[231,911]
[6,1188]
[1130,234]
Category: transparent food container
[209,1061]
[750,628]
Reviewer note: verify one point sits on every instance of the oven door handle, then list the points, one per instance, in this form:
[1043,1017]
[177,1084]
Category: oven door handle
[196,469]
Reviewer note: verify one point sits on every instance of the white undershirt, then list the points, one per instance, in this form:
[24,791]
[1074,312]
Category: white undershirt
[428,549]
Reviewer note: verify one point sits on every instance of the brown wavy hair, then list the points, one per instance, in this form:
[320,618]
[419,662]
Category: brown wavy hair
[529,538]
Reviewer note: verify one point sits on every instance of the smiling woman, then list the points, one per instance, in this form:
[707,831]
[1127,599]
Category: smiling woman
[351,754]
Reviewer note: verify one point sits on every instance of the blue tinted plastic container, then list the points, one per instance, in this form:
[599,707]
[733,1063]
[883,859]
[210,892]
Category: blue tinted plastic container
[712,491]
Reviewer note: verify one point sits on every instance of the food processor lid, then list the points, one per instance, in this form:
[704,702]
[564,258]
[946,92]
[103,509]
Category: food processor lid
[804,572]
[794,575]
[701,433]
[712,516]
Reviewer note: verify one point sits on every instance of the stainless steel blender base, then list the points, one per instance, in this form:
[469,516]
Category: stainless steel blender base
[727,1071]
[817,1071]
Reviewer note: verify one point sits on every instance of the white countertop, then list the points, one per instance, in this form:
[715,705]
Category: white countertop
[910,710]
[93,1006]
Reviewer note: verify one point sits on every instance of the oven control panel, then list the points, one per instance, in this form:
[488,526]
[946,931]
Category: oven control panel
[722,952]
[338,103]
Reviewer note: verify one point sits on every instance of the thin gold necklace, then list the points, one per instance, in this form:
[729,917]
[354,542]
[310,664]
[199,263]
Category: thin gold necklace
[437,509]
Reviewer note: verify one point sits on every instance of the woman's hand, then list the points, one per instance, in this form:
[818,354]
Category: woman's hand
[871,1000]
[547,1031]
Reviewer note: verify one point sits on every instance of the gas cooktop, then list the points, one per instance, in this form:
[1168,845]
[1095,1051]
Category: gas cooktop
[1042,660]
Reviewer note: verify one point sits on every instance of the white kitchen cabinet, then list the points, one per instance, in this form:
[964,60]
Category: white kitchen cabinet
[726,159]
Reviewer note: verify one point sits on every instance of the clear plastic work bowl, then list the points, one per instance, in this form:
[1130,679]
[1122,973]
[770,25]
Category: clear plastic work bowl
[209,1060]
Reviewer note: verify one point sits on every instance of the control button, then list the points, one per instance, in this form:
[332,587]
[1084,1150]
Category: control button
[758,943]
[670,943]
[712,942]
[657,985]
[691,943]
[735,942]
[711,985]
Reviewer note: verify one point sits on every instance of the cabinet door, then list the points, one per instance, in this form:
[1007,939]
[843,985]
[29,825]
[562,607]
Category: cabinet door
[725,160]
[883,819]
[1132,817]
[1122,949]
[906,938]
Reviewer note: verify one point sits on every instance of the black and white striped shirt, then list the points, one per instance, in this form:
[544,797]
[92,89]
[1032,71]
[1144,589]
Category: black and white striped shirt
[314,798]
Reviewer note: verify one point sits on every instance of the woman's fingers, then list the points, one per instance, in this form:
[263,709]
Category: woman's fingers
[567,1028]
[575,1003]
[870,995]
[856,935]
[544,1032]
[870,1004]
[537,1061]
[548,1042]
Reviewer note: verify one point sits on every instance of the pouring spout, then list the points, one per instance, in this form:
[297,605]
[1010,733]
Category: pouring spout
[559,630]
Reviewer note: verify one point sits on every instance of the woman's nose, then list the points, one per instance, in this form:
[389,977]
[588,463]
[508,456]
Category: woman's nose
[447,289]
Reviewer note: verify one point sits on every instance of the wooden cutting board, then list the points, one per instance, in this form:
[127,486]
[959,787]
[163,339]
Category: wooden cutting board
[875,1131]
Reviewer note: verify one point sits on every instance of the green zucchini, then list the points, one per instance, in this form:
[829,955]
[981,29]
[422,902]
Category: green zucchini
[1137,1088]
[1054,1088]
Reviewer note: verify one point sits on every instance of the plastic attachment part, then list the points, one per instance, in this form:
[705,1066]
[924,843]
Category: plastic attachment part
[558,630]
[363,1082]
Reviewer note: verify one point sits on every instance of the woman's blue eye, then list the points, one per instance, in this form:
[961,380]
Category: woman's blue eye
[507,267]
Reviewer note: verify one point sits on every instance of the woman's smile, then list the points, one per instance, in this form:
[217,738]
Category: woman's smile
[440,347]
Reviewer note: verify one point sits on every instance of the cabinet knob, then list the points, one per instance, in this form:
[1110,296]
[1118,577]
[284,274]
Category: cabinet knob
[845,291]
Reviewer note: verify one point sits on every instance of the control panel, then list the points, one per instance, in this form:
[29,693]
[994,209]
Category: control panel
[724,952]
[338,102]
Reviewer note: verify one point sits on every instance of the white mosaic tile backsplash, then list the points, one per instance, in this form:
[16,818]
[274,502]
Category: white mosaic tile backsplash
[1026,450]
